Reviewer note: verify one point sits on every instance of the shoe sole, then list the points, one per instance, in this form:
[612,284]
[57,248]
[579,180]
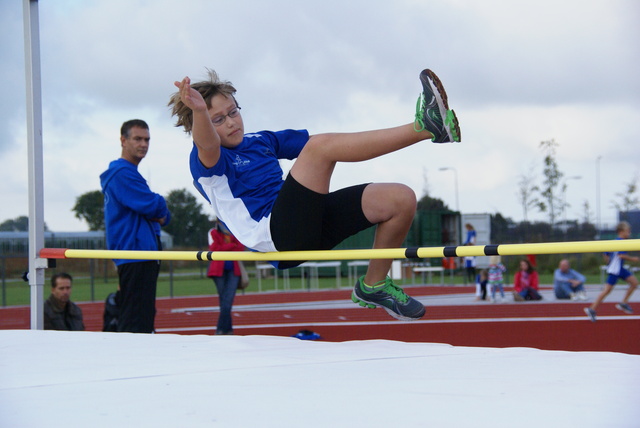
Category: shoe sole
[371,305]
[620,308]
[453,120]
[440,94]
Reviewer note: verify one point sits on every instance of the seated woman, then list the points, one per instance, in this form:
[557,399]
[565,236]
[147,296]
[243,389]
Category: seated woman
[525,283]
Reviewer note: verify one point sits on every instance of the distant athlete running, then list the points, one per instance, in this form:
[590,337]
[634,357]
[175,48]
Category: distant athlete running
[240,175]
[616,270]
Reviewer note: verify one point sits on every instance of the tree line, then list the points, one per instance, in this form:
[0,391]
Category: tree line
[190,224]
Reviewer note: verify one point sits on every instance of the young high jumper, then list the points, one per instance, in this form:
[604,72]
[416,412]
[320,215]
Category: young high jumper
[240,176]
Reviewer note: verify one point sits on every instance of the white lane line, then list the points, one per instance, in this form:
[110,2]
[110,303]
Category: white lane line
[390,322]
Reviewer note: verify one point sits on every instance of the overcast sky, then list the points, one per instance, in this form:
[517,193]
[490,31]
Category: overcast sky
[517,73]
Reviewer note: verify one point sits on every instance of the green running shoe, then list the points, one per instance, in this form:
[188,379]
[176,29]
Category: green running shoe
[432,111]
[391,297]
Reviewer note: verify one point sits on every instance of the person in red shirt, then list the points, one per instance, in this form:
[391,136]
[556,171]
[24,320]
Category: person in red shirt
[526,282]
[225,274]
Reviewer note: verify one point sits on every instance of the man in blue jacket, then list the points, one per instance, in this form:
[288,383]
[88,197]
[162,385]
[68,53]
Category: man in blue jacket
[133,215]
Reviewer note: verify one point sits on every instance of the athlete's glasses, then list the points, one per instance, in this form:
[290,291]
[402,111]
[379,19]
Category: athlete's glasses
[219,120]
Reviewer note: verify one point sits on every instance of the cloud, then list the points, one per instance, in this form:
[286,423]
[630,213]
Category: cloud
[516,73]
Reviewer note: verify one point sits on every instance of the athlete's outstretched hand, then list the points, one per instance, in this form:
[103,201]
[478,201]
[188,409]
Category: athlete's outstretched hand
[189,96]
[203,132]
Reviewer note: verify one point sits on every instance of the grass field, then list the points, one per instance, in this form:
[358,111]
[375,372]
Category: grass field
[192,283]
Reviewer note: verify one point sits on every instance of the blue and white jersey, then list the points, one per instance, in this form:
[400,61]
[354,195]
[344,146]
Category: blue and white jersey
[471,237]
[243,186]
[616,264]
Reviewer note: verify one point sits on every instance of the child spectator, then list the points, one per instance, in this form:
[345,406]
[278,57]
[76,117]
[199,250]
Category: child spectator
[526,282]
[496,282]
[481,285]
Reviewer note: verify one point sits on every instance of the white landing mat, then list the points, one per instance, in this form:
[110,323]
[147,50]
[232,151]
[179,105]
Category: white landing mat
[84,379]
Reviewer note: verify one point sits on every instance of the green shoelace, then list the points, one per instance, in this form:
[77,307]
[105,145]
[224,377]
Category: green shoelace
[390,288]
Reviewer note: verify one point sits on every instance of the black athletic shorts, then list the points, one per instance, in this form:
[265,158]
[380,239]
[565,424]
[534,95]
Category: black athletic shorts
[302,219]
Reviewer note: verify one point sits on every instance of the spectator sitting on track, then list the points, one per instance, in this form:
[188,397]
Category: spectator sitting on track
[568,283]
[525,283]
[60,313]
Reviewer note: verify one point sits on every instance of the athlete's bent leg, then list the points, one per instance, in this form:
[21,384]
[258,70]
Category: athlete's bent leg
[392,207]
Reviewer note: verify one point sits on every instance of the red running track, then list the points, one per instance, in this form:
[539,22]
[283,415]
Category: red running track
[542,325]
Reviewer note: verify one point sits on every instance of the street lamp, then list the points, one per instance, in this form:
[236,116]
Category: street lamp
[564,204]
[455,178]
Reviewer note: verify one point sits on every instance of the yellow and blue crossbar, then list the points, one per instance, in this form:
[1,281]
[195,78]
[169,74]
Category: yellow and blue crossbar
[361,254]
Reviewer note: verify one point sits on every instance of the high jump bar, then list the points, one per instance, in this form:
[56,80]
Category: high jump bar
[362,254]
